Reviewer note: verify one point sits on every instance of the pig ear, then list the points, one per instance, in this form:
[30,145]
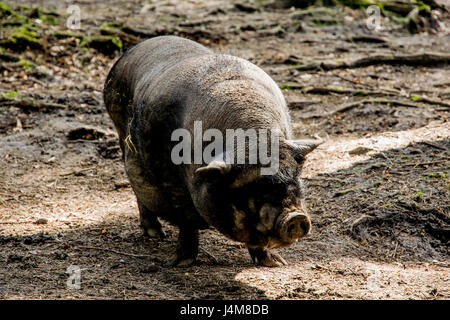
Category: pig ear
[213,170]
[303,147]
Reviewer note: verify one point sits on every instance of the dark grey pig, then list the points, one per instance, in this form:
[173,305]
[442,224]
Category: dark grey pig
[167,83]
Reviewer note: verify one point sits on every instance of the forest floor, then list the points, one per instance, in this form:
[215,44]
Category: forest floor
[377,190]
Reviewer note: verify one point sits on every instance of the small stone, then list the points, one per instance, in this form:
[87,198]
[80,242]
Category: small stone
[41,221]
[359,151]
[121,184]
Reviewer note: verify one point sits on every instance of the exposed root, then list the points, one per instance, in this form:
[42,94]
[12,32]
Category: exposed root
[32,105]
[351,105]
[421,59]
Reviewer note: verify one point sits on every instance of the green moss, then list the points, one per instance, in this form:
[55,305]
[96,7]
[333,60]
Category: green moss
[114,25]
[25,35]
[66,34]
[392,45]
[104,44]
[5,10]
[361,93]
[21,38]
[285,87]
[421,5]
[10,17]
[436,176]
[416,98]
[10,95]
[47,12]
[337,89]
[49,19]
[26,65]
[26,10]
[360,3]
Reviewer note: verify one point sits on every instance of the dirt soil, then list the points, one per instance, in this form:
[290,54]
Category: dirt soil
[377,190]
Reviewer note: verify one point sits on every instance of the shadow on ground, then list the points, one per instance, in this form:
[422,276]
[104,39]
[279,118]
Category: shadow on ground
[392,206]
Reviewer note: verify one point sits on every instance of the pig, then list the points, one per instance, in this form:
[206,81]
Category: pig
[167,83]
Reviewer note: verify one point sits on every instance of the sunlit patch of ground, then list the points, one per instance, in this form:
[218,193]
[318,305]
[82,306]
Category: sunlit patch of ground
[336,153]
[377,197]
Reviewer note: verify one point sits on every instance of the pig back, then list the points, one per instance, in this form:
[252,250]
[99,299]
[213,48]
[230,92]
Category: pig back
[166,83]
[139,68]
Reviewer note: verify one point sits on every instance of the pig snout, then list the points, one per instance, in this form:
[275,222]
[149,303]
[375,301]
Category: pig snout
[291,226]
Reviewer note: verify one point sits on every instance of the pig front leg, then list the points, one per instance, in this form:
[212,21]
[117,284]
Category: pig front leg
[265,257]
[150,223]
[187,248]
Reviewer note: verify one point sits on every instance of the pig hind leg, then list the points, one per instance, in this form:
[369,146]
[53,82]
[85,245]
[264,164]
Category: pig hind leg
[187,248]
[150,223]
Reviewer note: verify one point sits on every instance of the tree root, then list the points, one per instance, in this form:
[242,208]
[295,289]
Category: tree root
[348,106]
[430,101]
[127,39]
[192,33]
[342,90]
[29,104]
[421,59]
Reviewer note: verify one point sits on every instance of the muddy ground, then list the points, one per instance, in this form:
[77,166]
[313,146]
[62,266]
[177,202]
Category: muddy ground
[377,189]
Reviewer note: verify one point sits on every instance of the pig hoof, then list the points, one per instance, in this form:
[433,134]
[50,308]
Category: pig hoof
[154,233]
[266,258]
[182,262]
[273,260]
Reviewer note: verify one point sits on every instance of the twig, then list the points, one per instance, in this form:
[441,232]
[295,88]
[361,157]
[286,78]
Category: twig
[431,101]
[426,163]
[8,57]
[210,255]
[346,79]
[11,65]
[324,178]
[342,90]
[75,172]
[344,192]
[16,222]
[114,251]
[349,106]
[38,81]
[370,39]
[431,144]
[300,104]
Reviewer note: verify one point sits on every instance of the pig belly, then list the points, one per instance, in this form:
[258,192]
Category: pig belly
[146,192]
